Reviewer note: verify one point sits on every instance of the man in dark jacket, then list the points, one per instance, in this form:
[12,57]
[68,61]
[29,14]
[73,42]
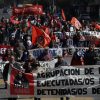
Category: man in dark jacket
[90,56]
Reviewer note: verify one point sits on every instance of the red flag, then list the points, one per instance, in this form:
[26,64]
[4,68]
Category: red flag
[63,15]
[76,23]
[38,35]
[47,39]
[97,26]
[34,35]
[46,29]
[23,85]
[32,9]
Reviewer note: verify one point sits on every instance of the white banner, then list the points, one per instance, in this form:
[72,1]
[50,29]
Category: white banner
[63,81]
[68,80]
[47,65]
[56,82]
[54,51]
[59,51]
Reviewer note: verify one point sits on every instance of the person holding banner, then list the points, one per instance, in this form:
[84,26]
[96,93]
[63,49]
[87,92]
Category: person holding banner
[90,56]
[31,64]
[61,62]
[12,63]
[77,58]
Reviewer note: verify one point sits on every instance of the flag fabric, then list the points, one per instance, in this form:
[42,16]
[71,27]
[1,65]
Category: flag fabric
[76,23]
[34,35]
[63,15]
[21,83]
[97,26]
[47,39]
[40,36]
[46,29]
[27,10]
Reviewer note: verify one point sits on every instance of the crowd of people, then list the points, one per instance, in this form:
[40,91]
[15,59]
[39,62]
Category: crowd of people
[19,36]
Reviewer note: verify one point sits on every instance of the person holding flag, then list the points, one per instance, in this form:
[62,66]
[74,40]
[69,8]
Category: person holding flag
[76,23]
[40,37]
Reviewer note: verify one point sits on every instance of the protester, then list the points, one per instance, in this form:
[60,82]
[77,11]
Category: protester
[58,64]
[77,58]
[76,39]
[45,56]
[90,56]
[31,64]
[27,32]
[12,63]
[25,55]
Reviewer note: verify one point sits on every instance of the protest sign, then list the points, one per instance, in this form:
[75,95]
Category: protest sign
[54,51]
[64,81]
[57,51]
[71,81]
[48,65]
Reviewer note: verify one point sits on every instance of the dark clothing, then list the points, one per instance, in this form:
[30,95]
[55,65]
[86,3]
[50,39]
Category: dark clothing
[30,66]
[25,55]
[76,59]
[45,56]
[90,57]
[6,70]
[21,81]
[1,37]
[62,63]
[76,38]
[37,98]
[67,98]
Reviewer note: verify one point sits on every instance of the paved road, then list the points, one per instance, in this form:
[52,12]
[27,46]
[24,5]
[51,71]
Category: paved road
[72,98]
